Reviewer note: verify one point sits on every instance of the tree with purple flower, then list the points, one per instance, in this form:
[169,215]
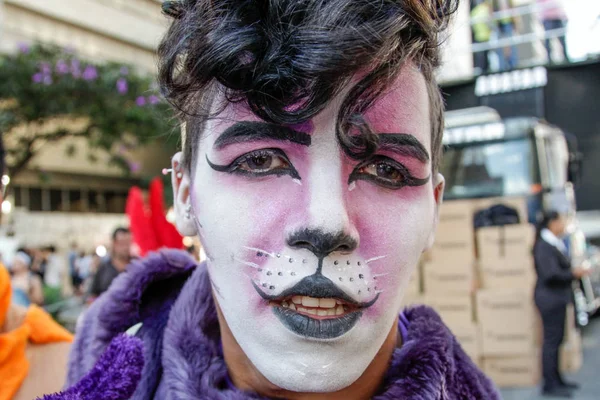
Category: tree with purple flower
[109,98]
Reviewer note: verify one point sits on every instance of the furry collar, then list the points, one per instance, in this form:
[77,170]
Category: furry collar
[429,366]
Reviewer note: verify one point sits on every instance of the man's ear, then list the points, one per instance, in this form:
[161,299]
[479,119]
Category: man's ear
[438,193]
[182,201]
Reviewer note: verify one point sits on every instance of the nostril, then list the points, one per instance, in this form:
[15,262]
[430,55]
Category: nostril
[344,248]
[322,243]
[302,244]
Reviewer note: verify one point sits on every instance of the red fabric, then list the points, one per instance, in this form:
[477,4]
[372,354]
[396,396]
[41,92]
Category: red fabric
[149,225]
[139,222]
[166,232]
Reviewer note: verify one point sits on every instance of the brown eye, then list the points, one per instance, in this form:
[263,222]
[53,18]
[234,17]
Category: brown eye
[263,162]
[259,162]
[383,171]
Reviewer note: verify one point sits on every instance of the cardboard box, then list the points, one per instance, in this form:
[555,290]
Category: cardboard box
[448,278]
[457,214]
[505,242]
[469,337]
[456,311]
[507,274]
[519,371]
[454,240]
[411,300]
[571,354]
[508,321]
[515,343]
[571,330]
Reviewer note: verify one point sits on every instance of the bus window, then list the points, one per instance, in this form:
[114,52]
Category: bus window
[504,168]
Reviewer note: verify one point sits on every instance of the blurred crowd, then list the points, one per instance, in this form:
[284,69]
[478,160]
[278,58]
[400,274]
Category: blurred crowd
[45,277]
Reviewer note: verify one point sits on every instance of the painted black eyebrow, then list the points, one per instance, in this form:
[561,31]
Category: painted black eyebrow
[404,144]
[252,131]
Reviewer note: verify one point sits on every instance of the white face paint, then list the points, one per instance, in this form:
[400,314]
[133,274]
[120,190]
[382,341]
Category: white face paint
[309,251]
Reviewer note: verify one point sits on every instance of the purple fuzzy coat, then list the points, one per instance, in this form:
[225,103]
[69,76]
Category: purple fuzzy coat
[176,353]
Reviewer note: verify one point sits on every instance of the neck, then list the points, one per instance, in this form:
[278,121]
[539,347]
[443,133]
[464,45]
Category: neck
[119,263]
[247,378]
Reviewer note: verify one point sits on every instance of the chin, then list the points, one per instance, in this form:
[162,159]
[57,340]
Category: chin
[307,364]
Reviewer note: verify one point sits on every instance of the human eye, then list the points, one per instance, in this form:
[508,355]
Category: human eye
[385,172]
[259,163]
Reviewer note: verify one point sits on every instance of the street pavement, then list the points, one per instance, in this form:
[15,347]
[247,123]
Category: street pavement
[588,376]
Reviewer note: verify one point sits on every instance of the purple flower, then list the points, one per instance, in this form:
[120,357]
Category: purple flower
[134,166]
[75,68]
[122,86]
[140,101]
[90,73]
[47,80]
[61,67]
[23,47]
[124,70]
[38,77]
[152,99]
[45,68]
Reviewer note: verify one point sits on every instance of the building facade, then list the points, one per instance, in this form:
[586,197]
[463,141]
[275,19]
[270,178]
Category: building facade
[72,188]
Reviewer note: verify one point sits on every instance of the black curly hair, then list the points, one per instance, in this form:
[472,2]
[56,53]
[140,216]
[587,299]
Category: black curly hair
[272,54]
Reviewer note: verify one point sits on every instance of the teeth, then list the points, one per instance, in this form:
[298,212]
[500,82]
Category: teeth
[285,304]
[311,311]
[338,302]
[302,309]
[339,310]
[331,312]
[297,299]
[292,306]
[322,313]
[327,303]
[310,301]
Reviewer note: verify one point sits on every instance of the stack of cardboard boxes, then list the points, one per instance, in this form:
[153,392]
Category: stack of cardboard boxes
[481,283]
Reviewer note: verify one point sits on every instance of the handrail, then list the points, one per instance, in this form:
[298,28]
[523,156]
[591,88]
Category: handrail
[517,39]
[514,12]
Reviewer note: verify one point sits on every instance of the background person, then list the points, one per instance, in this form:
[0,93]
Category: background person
[507,28]
[553,16]
[33,348]
[481,14]
[553,292]
[109,268]
[27,287]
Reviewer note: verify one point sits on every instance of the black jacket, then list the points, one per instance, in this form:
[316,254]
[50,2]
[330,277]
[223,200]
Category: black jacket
[554,277]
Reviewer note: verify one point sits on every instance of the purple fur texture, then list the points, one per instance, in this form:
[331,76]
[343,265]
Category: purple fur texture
[182,345]
[114,377]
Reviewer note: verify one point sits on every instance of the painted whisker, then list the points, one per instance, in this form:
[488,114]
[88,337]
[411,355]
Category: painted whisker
[259,250]
[247,263]
[370,260]
[378,275]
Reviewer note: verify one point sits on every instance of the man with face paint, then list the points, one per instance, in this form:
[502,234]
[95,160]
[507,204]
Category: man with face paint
[309,170]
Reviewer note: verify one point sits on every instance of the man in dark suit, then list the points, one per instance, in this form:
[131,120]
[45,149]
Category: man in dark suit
[553,292]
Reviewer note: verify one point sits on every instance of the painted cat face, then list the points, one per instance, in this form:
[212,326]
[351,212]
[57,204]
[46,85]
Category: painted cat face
[309,251]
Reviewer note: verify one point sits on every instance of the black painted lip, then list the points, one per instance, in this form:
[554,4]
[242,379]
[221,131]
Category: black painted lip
[316,286]
[329,328]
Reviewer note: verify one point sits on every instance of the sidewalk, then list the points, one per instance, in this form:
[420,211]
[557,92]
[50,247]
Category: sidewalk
[588,376]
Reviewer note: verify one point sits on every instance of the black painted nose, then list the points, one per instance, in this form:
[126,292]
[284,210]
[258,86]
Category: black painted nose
[322,243]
